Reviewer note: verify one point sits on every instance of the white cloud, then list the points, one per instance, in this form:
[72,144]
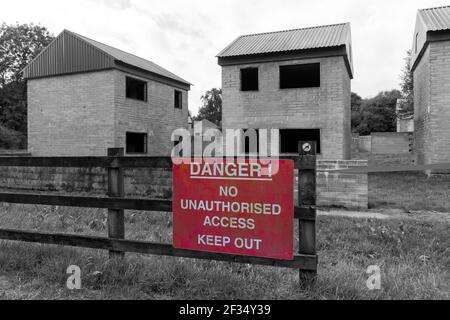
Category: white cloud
[184,36]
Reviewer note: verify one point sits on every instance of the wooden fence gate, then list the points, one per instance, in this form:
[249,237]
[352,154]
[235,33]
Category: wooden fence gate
[305,261]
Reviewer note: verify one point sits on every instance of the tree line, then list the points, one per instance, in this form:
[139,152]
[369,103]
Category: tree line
[19,44]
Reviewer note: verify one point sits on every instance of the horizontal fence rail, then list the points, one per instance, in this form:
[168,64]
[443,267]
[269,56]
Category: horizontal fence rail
[304,262]
[157,205]
[117,162]
[87,202]
[87,162]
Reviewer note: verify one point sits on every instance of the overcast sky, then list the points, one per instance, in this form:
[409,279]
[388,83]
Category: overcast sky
[185,36]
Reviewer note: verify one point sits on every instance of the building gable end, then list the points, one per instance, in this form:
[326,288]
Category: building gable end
[68,54]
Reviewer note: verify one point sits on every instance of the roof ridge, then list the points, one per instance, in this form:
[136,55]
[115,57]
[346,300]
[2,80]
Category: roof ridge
[441,7]
[126,52]
[83,38]
[296,29]
[107,45]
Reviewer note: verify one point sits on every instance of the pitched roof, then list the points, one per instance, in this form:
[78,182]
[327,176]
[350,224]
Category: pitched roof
[432,24]
[289,40]
[131,59]
[436,19]
[71,53]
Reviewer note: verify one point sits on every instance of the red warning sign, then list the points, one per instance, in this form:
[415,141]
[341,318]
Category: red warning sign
[242,207]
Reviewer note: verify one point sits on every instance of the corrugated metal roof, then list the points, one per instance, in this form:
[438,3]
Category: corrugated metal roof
[436,19]
[67,54]
[131,59]
[72,53]
[289,40]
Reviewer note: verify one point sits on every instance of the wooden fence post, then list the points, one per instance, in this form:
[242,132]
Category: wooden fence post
[307,199]
[116,220]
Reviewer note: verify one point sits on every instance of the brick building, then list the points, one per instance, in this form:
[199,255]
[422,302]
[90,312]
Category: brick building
[85,97]
[297,81]
[431,69]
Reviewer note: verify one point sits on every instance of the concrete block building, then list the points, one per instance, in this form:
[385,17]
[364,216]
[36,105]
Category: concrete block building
[297,81]
[431,69]
[85,97]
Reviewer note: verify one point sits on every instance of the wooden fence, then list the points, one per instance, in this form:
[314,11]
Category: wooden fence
[306,260]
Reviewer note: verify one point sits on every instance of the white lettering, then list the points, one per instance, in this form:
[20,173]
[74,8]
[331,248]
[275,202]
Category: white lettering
[195,169]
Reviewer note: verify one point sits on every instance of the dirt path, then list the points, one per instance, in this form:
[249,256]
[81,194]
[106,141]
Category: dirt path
[384,214]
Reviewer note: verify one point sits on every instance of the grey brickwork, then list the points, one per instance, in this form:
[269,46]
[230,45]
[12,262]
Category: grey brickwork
[71,115]
[326,108]
[432,104]
[84,114]
[157,117]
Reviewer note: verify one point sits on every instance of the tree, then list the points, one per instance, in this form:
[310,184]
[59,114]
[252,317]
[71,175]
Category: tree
[378,114]
[212,107]
[356,102]
[19,44]
[407,87]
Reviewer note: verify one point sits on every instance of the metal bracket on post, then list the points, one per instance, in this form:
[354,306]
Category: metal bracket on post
[307,197]
[116,219]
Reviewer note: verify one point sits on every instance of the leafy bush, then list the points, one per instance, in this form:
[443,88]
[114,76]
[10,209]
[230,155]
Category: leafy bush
[11,139]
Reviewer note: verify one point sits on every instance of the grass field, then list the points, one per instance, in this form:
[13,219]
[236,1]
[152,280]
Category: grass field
[409,191]
[413,255]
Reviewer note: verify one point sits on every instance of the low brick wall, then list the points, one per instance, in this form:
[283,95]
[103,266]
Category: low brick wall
[342,189]
[142,182]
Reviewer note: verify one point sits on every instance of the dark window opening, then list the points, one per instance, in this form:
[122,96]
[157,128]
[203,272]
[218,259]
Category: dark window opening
[300,76]
[247,139]
[136,89]
[178,99]
[290,139]
[249,79]
[136,142]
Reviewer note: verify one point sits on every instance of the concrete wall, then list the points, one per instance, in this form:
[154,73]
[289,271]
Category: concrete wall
[392,142]
[326,108]
[405,125]
[342,189]
[365,144]
[386,149]
[85,114]
[71,115]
